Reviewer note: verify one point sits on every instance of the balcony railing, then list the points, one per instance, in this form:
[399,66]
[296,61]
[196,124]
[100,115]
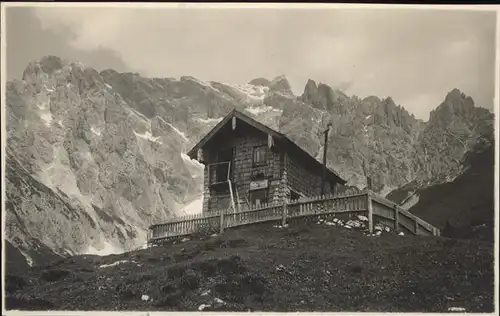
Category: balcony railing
[373,206]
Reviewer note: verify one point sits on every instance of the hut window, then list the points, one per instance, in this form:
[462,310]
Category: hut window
[259,155]
[258,197]
[294,195]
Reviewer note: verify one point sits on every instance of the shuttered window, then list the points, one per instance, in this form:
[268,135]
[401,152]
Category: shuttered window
[259,155]
[294,195]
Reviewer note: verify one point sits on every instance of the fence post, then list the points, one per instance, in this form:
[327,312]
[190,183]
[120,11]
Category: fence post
[221,221]
[284,213]
[396,219]
[370,211]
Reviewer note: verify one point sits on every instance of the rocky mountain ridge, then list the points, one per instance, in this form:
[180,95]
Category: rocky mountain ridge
[463,207]
[107,148]
[393,147]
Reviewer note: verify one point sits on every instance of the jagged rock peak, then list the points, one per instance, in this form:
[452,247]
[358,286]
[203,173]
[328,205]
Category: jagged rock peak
[108,72]
[455,103]
[386,112]
[455,94]
[372,99]
[310,83]
[50,63]
[260,82]
[323,97]
[52,71]
[47,64]
[310,91]
[279,78]
[184,78]
[280,83]
[389,102]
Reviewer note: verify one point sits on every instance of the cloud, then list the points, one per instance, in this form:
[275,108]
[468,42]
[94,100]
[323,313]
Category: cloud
[28,39]
[403,53]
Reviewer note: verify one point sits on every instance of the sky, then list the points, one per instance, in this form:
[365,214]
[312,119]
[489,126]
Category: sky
[414,56]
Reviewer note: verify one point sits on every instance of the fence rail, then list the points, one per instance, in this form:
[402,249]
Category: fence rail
[377,208]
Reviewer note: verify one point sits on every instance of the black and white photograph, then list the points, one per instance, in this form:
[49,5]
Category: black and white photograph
[249,157]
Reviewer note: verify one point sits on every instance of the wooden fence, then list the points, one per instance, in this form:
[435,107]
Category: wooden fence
[375,207]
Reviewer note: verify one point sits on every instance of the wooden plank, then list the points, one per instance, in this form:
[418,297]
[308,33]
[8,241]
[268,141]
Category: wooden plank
[405,221]
[283,222]
[396,218]
[370,212]
[221,222]
[178,219]
[382,210]
[422,231]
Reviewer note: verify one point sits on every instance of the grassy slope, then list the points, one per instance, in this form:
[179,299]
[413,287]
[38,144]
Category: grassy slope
[14,259]
[325,269]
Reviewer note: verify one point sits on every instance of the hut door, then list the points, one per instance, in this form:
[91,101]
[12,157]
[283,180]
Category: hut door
[258,197]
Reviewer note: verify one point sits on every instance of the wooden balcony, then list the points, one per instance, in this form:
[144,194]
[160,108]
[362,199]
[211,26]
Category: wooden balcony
[220,172]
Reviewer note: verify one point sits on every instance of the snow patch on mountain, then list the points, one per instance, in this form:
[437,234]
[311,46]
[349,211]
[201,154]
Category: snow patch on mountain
[47,118]
[286,94]
[106,250]
[195,168]
[209,120]
[183,135]
[140,116]
[48,89]
[178,132]
[147,135]
[95,131]
[256,110]
[253,94]
[29,261]
[202,83]
[58,174]
[43,105]
[195,207]
[198,81]
[102,266]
